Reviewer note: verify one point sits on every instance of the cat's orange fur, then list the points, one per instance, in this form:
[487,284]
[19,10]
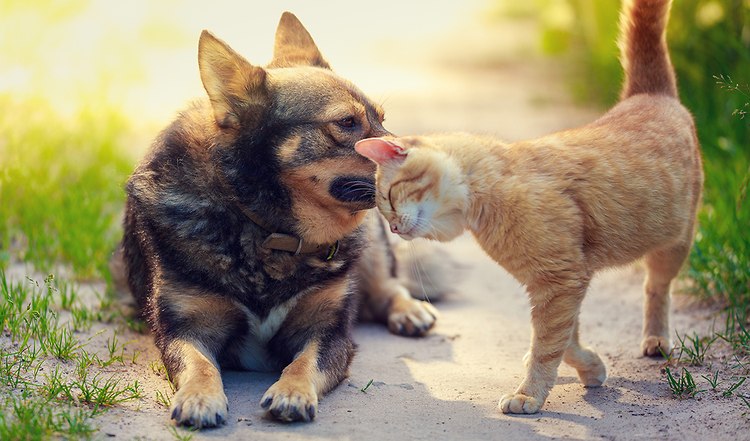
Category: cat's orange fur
[555,210]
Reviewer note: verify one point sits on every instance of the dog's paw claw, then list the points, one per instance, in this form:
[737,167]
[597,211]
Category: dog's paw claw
[200,409]
[290,404]
[266,402]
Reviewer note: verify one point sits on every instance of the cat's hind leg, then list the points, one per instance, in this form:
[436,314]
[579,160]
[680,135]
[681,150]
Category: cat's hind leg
[662,266]
[586,361]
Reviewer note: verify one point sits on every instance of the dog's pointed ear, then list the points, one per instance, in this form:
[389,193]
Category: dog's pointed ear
[381,151]
[294,46]
[235,87]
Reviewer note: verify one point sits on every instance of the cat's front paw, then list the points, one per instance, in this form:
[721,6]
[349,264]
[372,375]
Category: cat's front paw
[288,401]
[655,346]
[519,403]
[411,317]
[199,408]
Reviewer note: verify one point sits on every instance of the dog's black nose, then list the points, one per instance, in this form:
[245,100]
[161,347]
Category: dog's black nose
[353,189]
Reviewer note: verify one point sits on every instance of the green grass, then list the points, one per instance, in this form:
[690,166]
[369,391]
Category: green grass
[182,434]
[65,154]
[39,400]
[682,386]
[694,349]
[364,389]
[30,417]
[724,380]
[719,265]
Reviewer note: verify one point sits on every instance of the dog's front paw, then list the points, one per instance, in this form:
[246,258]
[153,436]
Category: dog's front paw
[199,408]
[411,317]
[519,403]
[289,402]
[655,346]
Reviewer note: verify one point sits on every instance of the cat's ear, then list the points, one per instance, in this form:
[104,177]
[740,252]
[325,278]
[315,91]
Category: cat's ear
[294,46]
[380,150]
[235,87]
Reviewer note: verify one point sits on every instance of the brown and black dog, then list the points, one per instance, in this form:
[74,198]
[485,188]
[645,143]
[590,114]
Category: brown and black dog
[245,230]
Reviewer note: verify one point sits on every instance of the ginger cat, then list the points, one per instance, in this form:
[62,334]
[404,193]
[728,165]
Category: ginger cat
[555,210]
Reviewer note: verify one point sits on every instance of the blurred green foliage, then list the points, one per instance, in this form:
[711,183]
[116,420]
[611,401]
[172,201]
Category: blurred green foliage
[60,185]
[63,154]
[710,39]
[70,72]
[710,48]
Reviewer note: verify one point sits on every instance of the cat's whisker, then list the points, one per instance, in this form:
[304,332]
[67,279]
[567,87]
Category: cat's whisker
[419,268]
[434,227]
[415,269]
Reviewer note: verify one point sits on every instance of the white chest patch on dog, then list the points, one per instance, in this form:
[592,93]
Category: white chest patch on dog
[253,355]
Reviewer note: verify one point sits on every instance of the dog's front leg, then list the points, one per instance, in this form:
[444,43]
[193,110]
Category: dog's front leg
[317,337]
[295,396]
[200,400]
[191,326]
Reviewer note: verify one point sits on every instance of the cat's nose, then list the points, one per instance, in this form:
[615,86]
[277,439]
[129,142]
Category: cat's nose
[394,228]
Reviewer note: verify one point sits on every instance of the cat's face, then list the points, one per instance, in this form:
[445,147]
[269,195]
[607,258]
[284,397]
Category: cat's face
[419,190]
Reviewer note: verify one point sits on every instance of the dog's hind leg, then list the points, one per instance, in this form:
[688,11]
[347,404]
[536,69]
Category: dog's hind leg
[386,299]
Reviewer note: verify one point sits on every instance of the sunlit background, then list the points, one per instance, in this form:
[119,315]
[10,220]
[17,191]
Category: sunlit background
[141,55]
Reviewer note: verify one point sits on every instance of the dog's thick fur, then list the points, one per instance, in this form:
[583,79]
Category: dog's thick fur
[271,150]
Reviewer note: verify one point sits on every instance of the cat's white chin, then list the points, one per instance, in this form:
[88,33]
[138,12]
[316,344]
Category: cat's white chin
[414,233]
[411,234]
[407,236]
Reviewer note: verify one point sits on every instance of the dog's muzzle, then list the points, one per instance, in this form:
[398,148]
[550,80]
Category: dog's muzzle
[354,189]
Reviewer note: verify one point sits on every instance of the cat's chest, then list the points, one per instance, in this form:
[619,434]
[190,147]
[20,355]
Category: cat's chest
[514,254]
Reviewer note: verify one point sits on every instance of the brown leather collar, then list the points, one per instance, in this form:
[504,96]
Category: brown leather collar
[282,241]
[287,242]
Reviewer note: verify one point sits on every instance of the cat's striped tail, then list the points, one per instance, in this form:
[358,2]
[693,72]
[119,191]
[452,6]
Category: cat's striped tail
[643,48]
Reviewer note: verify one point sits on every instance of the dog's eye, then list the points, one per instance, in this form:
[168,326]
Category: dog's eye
[347,122]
